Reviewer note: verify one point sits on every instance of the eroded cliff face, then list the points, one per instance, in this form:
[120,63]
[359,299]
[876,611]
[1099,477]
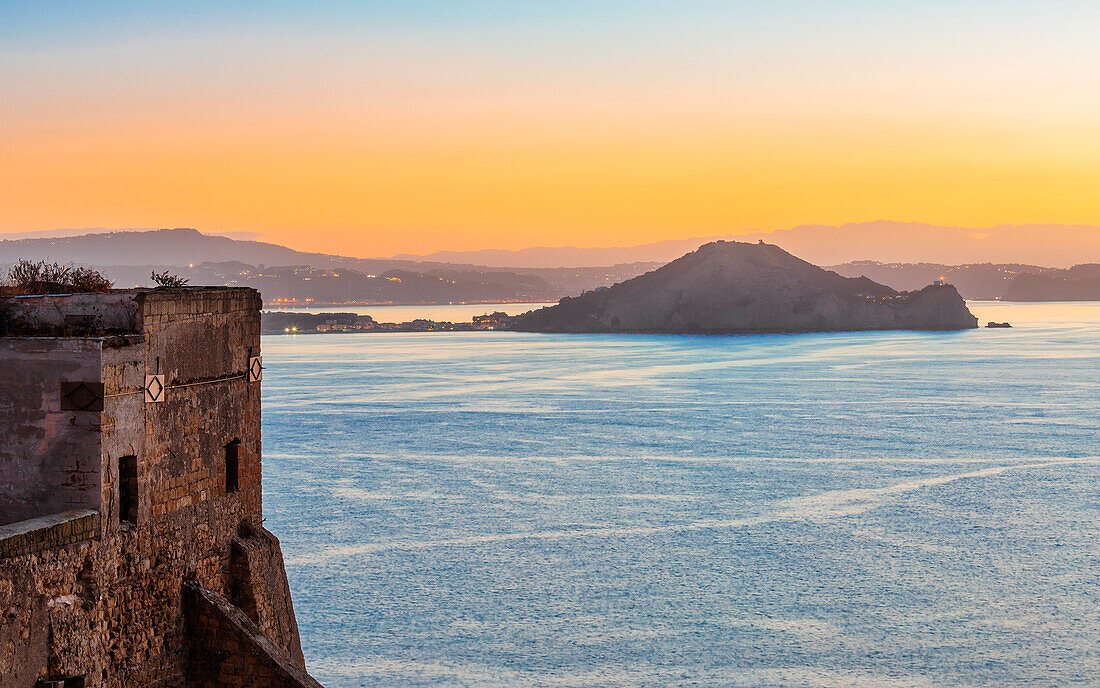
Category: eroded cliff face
[731,287]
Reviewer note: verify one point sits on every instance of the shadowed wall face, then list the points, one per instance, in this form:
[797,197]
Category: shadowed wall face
[50,406]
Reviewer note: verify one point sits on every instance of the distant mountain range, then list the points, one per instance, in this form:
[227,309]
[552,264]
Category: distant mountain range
[885,241]
[172,247]
[567,256]
[288,276]
[986,281]
[72,232]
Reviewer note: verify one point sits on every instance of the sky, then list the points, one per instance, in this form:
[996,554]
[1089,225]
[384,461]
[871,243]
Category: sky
[371,128]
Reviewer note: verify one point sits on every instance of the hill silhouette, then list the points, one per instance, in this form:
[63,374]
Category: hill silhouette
[727,287]
[181,246]
[289,276]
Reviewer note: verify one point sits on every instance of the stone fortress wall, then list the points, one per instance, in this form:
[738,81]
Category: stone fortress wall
[132,550]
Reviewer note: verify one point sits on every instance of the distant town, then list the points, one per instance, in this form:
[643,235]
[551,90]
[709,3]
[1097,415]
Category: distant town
[280,322]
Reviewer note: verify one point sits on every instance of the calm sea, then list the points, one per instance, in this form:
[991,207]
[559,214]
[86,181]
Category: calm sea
[875,509]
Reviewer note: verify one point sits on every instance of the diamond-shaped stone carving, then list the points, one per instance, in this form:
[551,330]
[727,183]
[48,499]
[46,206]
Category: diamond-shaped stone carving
[81,396]
[255,369]
[154,389]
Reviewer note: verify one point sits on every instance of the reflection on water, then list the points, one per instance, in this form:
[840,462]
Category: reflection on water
[1060,315]
[858,509]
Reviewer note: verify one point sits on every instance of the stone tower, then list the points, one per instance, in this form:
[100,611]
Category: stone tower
[132,550]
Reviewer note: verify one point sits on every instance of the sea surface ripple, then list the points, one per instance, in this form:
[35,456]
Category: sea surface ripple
[861,509]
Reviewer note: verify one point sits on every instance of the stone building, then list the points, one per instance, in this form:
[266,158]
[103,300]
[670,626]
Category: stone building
[132,550]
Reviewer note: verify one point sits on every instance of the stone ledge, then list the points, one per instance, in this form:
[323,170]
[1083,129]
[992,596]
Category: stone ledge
[46,532]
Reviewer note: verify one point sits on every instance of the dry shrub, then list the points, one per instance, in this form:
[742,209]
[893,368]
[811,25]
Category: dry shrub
[40,277]
[164,279]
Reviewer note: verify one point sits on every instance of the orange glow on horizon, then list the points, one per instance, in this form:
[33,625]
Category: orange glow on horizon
[392,189]
[386,129]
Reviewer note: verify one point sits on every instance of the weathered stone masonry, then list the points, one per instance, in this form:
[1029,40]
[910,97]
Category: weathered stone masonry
[132,550]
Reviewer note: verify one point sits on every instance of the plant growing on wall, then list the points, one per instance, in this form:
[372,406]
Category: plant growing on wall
[163,279]
[40,277]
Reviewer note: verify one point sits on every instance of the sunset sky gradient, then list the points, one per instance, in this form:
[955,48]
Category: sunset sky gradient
[376,128]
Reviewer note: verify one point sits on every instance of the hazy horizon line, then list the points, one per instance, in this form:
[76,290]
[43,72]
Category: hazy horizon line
[73,232]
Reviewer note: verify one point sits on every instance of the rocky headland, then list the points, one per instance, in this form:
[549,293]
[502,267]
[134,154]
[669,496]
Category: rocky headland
[734,287]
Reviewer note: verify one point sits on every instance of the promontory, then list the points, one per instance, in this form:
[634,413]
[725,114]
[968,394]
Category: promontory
[734,287]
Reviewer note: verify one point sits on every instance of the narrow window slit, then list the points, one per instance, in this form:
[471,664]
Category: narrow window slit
[127,489]
[232,466]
